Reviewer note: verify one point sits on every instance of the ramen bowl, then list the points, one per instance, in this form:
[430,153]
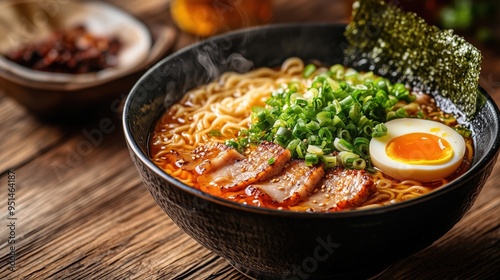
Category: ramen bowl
[272,244]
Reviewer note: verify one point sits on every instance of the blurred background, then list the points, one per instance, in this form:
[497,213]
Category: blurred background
[478,21]
[175,24]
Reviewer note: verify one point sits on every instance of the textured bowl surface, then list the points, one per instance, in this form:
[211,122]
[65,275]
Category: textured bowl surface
[271,244]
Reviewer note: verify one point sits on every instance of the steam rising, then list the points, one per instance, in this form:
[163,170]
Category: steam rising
[238,63]
[211,57]
[208,62]
[207,58]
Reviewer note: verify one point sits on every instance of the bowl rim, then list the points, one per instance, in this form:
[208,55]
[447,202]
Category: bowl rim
[137,152]
[62,81]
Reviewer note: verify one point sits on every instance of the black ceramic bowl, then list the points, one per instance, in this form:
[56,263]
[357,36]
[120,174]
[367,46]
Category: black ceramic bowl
[271,244]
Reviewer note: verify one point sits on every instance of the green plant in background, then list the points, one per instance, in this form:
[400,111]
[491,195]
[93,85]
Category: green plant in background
[478,17]
[458,15]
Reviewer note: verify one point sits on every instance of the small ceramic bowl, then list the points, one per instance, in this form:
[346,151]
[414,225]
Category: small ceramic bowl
[63,95]
[272,244]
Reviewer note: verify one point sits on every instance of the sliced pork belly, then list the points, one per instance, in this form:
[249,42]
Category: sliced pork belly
[190,160]
[341,189]
[233,172]
[219,161]
[293,184]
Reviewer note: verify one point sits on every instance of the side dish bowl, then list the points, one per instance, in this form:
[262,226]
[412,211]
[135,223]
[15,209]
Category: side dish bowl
[63,95]
[272,244]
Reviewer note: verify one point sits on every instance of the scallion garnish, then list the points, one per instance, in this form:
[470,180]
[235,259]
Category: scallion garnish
[271,161]
[309,70]
[331,121]
[215,133]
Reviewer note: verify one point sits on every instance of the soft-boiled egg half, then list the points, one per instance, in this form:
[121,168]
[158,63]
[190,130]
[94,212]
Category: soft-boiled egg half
[416,149]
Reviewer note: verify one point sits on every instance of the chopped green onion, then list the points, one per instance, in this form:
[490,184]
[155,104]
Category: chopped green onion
[294,86]
[329,160]
[271,161]
[344,134]
[215,133]
[340,111]
[292,145]
[325,134]
[311,159]
[466,133]
[337,71]
[300,150]
[379,130]
[324,118]
[359,164]
[338,122]
[342,145]
[313,126]
[309,70]
[347,158]
[233,144]
[312,149]
[284,132]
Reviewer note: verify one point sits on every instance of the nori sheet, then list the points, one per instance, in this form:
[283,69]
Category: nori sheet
[402,46]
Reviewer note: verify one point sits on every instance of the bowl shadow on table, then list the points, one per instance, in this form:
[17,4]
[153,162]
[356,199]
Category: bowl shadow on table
[440,258]
[271,244]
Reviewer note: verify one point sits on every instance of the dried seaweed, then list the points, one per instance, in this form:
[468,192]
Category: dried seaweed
[403,46]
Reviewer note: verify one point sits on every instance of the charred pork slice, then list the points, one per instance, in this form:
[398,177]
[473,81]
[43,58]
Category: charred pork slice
[193,159]
[293,184]
[341,189]
[233,171]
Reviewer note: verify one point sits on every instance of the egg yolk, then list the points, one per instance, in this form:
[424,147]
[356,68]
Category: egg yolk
[420,148]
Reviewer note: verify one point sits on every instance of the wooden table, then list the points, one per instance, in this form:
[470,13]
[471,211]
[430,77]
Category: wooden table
[85,214]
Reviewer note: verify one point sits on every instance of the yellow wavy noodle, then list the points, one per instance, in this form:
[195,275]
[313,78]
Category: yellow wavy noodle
[469,151]
[183,176]
[389,192]
[293,66]
[224,105]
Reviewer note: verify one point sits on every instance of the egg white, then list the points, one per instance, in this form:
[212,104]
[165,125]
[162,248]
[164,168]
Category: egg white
[422,173]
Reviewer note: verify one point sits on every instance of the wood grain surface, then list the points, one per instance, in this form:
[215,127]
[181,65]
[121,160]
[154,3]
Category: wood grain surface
[83,213]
